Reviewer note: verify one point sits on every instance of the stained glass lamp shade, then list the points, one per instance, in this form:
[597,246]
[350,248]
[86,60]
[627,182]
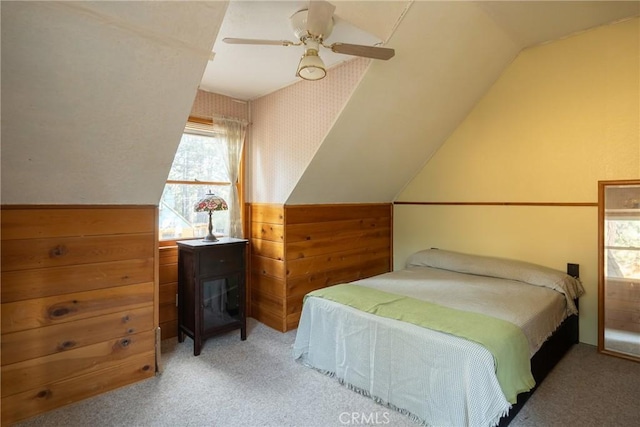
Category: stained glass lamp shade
[209,203]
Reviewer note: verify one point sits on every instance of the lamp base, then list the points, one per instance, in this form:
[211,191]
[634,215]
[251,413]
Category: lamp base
[210,238]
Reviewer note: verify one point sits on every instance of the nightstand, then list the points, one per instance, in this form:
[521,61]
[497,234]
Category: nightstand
[211,289]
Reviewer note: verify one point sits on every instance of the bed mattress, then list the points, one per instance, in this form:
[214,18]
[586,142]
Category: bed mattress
[434,377]
[537,310]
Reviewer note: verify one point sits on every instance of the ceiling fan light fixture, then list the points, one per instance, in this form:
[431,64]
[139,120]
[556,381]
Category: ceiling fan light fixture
[312,27]
[311,66]
[300,25]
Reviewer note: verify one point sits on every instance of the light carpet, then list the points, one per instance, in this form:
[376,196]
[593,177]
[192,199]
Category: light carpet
[257,383]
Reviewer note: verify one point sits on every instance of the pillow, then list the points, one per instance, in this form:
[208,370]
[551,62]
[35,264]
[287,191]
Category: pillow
[503,268]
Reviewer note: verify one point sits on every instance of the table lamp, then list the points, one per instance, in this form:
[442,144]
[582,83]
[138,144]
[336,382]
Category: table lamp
[209,203]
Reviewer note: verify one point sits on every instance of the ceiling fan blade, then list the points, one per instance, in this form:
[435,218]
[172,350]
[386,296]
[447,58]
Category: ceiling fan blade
[232,40]
[319,16]
[360,50]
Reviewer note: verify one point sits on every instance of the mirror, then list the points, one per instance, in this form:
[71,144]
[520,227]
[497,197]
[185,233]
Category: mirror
[619,268]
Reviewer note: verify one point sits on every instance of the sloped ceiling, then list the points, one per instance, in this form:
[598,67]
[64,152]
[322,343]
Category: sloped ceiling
[447,56]
[95,96]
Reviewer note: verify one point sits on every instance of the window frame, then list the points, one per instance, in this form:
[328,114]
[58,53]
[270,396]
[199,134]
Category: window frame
[197,123]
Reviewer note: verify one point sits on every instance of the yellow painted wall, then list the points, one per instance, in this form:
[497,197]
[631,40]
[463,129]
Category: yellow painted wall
[563,116]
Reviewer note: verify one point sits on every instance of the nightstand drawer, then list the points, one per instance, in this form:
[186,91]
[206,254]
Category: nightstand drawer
[221,260]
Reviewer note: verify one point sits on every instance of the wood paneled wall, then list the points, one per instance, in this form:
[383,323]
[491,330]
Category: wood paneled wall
[79,291]
[168,276]
[299,248]
[267,275]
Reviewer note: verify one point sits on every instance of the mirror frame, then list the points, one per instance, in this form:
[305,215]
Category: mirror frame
[602,185]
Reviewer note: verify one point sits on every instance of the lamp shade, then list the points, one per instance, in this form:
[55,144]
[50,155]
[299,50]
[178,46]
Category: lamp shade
[311,66]
[209,203]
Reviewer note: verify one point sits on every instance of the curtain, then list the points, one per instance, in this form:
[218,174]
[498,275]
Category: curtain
[234,132]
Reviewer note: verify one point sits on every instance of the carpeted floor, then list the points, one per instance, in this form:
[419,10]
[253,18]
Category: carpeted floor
[586,389]
[257,383]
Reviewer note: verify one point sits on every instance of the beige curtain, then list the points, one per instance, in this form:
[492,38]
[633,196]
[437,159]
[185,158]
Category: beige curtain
[234,132]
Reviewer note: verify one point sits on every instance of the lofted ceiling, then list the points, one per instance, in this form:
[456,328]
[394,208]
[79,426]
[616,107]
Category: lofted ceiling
[247,72]
[448,54]
[95,94]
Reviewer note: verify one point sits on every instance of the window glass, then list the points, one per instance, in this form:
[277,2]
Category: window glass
[199,157]
[198,167]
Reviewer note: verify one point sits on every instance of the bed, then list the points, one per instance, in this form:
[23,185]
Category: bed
[453,339]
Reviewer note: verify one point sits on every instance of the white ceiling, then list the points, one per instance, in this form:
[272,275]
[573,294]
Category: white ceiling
[247,72]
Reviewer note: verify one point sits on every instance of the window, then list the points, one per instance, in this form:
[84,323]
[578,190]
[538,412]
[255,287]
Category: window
[198,167]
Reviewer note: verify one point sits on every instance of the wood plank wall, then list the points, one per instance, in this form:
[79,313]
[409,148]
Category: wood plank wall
[79,291]
[168,276]
[267,274]
[299,248]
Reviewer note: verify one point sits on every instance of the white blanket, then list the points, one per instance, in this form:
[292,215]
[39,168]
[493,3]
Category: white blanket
[536,310]
[439,379]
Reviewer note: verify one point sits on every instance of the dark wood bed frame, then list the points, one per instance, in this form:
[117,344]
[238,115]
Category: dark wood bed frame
[549,354]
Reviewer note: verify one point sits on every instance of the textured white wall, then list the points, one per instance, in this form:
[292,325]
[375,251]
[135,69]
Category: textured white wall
[289,126]
[95,96]
[208,105]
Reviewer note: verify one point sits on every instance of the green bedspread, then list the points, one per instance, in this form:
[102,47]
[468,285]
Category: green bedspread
[503,339]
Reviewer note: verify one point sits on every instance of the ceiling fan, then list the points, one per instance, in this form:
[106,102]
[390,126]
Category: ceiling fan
[311,27]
